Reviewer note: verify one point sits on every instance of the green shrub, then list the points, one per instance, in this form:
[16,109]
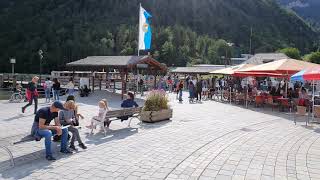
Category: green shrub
[156,101]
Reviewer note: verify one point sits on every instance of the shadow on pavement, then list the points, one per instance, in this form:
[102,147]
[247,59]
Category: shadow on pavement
[154,125]
[24,161]
[114,99]
[99,138]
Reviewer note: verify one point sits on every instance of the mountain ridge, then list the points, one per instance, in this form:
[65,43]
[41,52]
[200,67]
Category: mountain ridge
[71,29]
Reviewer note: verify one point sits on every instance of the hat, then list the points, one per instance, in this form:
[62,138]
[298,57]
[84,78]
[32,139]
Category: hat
[58,105]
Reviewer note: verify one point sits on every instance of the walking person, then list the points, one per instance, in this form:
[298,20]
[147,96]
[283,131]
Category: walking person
[180,89]
[170,84]
[205,89]
[175,84]
[32,95]
[70,87]
[47,89]
[199,89]
[141,86]
[56,89]
[191,91]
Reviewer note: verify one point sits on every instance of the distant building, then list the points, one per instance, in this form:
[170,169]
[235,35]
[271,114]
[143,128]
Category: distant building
[240,60]
[262,58]
[201,69]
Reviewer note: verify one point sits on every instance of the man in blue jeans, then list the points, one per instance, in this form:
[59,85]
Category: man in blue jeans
[41,128]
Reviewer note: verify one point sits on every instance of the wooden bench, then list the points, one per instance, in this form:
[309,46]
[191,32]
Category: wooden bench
[114,115]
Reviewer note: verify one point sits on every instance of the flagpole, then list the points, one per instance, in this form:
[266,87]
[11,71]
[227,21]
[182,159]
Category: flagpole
[139,30]
[137,83]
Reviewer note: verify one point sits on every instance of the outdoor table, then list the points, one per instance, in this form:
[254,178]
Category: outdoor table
[275,98]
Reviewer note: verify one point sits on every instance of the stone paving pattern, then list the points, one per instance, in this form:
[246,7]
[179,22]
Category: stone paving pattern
[208,140]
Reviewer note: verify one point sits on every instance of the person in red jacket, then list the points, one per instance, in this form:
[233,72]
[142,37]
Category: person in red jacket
[32,95]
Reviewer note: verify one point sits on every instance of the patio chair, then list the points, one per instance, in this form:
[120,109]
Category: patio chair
[316,111]
[271,103]
[226,95]
[284,103]
[295,102]
[259,100]
[301,111]
[251,98]
[240,98]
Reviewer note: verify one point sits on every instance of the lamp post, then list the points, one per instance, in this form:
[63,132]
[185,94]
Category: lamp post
[226,57]
[12,61]
[40,52]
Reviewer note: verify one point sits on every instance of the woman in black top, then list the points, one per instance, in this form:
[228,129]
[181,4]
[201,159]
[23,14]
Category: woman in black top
[56,89]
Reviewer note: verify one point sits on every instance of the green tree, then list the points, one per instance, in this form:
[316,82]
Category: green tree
[293,53]
[168,52]
[313,57]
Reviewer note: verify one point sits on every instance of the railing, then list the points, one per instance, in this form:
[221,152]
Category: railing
[5,93]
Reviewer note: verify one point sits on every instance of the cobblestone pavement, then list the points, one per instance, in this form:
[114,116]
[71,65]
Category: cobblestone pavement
[208,140]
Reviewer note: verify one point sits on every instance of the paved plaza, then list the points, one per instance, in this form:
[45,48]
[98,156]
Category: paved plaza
[209,140]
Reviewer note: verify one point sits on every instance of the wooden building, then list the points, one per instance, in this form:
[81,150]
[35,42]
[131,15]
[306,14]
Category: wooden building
[121,64]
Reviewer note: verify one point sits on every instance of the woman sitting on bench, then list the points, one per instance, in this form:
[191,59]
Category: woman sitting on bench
[68,117]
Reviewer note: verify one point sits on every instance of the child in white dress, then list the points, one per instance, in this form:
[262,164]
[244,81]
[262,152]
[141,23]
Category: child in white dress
[100,118]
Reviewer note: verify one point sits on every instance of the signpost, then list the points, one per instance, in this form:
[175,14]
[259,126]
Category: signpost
[40,52]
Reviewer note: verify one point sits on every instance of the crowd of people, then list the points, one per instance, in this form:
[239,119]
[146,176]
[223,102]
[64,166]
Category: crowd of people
[199,88]
[203,88]
[66,116]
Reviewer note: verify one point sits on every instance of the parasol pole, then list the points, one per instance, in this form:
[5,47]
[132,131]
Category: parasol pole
[287,75]
[230,96]
[312,100]
[247,93]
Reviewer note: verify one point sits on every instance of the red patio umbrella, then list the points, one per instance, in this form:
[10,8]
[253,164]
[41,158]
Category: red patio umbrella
[312,73]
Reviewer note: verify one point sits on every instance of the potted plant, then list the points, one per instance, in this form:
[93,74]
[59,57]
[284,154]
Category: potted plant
[156,107]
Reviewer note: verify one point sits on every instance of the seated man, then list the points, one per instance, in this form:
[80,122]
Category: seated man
[84,91]
[128,103]
[41,128]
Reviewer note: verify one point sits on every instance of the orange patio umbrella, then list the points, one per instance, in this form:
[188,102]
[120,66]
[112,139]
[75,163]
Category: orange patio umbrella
[284,67]
[231,70]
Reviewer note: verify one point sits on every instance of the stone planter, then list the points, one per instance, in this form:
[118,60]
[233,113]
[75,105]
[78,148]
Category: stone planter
[156,116]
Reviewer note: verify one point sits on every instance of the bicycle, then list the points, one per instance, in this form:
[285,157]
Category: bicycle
[17,97]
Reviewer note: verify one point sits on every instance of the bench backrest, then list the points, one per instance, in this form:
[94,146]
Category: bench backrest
[123,112]
[114,113]
[132,111]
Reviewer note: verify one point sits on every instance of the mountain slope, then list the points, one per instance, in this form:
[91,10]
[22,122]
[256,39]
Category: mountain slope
[71,29]
[308,9]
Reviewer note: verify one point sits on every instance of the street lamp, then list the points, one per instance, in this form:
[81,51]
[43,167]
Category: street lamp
[226,57]
[12,61]
[40,52]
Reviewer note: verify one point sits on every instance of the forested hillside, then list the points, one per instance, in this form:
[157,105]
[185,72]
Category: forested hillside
[308,9]
[183,30]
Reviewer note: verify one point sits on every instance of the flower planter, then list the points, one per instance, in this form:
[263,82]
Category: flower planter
[156,116]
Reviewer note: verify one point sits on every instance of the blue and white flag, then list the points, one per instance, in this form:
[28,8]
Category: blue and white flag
[144,30]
